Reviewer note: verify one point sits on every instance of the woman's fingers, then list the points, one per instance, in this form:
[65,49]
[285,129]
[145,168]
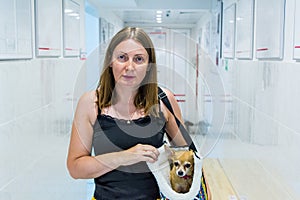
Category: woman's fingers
[151,154]
[150,149]
[142,152]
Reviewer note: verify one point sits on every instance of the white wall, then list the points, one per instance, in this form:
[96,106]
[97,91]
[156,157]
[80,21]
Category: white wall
[37,98]
[93,51]
[36,112]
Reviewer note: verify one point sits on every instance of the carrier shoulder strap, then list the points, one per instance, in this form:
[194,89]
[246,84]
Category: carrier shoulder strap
[164,98]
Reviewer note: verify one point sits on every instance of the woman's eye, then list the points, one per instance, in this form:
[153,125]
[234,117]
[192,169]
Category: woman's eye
[122,58]
[139,59]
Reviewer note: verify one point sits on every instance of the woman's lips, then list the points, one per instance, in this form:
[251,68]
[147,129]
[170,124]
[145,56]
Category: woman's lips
[128,77]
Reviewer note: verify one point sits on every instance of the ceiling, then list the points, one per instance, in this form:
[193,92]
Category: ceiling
[174,12]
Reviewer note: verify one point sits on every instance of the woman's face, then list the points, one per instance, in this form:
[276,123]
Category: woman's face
[129,63]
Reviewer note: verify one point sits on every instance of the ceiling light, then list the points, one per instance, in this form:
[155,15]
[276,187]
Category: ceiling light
[68,10]
[73,14]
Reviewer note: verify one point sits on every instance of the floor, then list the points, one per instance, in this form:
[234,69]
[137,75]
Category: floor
[258,172]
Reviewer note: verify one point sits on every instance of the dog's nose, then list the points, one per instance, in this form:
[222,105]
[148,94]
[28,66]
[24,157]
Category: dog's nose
[180,173]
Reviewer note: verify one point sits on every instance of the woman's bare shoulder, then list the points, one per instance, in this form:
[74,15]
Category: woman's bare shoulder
[87,105]
[86,101]
[169,94]
[88,97]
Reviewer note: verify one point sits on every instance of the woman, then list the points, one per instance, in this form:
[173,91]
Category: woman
[123,121]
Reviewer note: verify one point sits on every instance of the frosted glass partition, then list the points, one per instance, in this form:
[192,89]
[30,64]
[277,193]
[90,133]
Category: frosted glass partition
[244,29]
[270,46]
[48,29]
[71,28]
[297,31]
[228,37]
[15,31]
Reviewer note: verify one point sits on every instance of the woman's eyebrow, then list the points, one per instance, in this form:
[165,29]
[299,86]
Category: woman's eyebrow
[121,52]
[137,54]
[127,53]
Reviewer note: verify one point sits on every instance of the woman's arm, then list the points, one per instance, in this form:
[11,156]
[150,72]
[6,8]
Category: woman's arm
[171,126]
[80,163]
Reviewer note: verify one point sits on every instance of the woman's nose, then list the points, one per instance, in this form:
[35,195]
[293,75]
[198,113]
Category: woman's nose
[129,65]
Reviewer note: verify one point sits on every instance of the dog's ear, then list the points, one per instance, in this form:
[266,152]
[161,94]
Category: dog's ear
[191,153]
[170,153]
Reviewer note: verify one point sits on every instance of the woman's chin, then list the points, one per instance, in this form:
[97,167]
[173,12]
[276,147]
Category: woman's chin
[129,84]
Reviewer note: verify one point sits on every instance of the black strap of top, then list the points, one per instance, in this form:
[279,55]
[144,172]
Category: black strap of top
[164,98]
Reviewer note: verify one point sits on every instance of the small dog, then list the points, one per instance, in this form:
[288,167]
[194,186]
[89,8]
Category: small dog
[182,169]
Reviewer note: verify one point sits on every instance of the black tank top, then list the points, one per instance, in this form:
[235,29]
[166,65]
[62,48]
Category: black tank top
[127,182]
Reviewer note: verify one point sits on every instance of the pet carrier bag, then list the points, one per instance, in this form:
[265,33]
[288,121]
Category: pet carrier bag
[161,168]
[161,172]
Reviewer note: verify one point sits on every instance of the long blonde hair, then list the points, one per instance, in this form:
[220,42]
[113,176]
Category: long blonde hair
[146,97]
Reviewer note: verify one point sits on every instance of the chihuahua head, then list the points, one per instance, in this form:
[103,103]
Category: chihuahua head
[183,163]
[182,169]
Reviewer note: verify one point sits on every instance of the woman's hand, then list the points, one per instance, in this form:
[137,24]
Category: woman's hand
[138,153]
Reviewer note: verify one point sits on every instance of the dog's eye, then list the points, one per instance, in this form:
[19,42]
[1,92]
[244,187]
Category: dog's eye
[187,165]
[176,163]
